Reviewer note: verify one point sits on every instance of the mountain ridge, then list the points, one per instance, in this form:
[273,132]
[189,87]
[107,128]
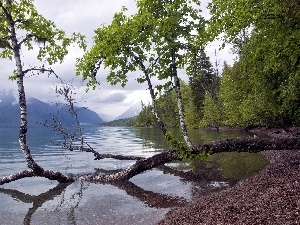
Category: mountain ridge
[39,112]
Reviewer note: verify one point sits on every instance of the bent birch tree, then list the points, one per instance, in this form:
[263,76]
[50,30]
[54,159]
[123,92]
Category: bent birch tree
[17,18]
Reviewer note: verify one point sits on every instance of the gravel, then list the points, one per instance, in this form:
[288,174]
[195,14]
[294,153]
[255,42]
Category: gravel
[269,197]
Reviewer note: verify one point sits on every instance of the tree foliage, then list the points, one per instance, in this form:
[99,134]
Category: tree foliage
[145,118]
[261,88]
[202,79]
[21,18]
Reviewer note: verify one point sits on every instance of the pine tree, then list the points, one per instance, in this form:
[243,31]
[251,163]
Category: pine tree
[202,79]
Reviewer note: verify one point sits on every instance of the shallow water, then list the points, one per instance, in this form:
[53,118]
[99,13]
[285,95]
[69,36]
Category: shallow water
[143,200]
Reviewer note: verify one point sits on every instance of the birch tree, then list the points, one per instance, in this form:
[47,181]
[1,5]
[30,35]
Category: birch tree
[156,41]
[21,26]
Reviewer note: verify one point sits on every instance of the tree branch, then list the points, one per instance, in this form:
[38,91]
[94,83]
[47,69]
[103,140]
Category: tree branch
[16,176]
[49,174]
[137,168]
[42,70]
[28,36]
[252,145]
[99,156]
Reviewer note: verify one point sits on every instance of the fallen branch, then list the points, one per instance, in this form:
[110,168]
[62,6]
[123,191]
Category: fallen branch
[16,176]
[137,168]
[99,156]
[252,145]
[49,174]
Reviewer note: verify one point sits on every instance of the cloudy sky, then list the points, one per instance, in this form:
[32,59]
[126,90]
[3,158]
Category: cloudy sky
[85,16]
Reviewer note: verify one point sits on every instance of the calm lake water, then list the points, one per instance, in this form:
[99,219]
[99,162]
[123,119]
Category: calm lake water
[143,200]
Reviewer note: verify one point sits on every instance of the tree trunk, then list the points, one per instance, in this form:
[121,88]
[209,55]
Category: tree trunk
[22,99]
[36,169]
[180,103]
[150,87]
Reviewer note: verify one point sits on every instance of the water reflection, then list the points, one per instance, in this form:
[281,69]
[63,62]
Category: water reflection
[142,200]
[66,204]
[37,201]
[153,137]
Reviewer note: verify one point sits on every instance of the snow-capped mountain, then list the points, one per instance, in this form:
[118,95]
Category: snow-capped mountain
[131,112]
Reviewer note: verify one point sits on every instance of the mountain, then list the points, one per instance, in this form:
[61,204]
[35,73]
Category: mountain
[131,112]
[106,117]
[39,111]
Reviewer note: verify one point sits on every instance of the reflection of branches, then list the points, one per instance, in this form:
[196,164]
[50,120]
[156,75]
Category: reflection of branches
[201,179]
[152,199]
[37,201]
[71,215]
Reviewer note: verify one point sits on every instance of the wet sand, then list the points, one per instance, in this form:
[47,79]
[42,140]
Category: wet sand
[270,197]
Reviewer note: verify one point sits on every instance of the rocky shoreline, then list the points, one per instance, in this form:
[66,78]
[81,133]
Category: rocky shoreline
[269,197]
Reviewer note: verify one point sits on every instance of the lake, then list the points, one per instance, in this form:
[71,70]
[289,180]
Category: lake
[143,200]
